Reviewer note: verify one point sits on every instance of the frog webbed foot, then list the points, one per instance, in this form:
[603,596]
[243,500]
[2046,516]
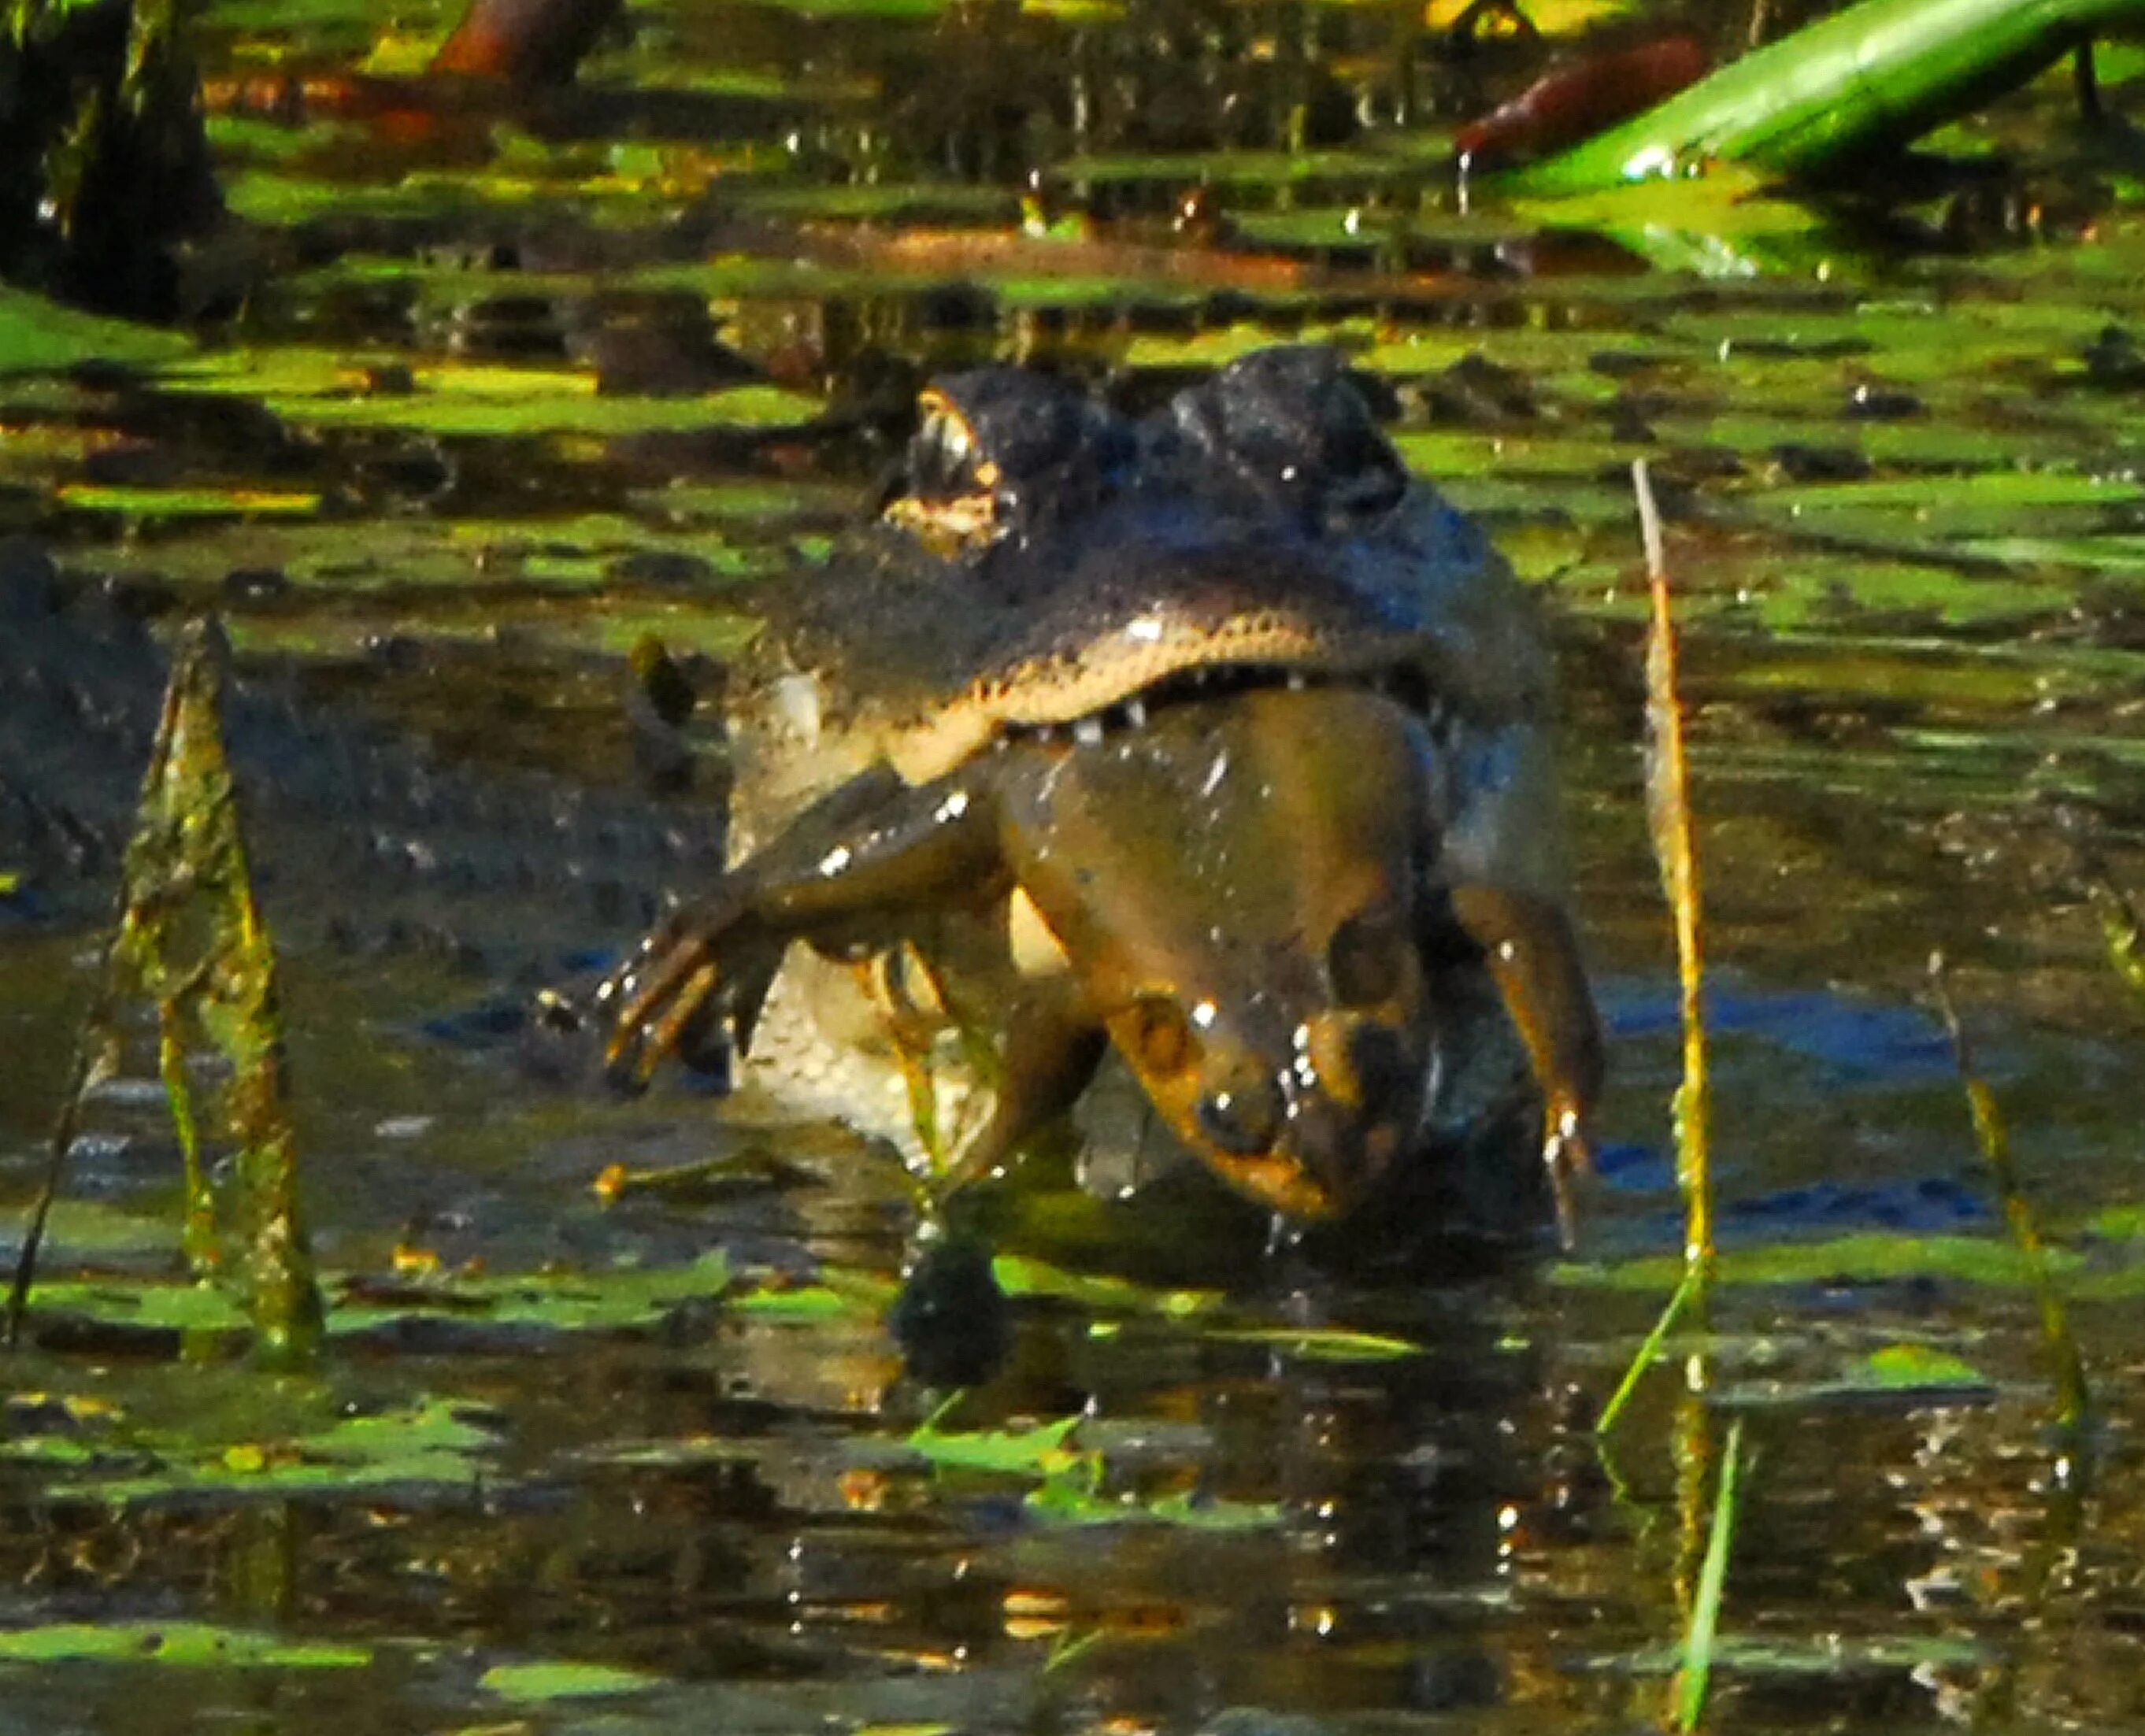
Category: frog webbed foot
[1533,956]
[709,960]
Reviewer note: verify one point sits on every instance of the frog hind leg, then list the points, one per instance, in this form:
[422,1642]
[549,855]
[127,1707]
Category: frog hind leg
[1533,957]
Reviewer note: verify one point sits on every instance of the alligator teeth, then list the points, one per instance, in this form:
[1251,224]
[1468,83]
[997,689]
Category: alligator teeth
[1296,681]
[1136,713]
[1089,732]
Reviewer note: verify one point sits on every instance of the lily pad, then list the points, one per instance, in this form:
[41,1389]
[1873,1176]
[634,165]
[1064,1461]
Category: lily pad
[430,1445]
[539,1682]
[1062,1503]
[1861,1259]
[1044,1451]
[36,335]
[171,1646]
[1326,1344]
[186,503]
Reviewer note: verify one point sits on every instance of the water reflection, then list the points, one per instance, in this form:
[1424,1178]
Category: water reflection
[1903,521]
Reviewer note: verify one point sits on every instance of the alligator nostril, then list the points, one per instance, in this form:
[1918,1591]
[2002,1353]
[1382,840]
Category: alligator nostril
[1241,1122]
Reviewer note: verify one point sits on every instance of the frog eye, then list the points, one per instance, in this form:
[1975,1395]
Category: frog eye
[1363,959]
[1160,1038]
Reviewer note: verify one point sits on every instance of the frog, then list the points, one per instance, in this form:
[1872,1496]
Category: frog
[1209,744]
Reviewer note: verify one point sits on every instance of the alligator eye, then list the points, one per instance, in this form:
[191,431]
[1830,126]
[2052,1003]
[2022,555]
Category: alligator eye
[1161,1040]
[1363,960]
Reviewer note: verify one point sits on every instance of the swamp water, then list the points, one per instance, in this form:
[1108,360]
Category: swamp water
[478,403]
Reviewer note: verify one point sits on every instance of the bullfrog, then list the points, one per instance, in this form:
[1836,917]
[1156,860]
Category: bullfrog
[1210,744]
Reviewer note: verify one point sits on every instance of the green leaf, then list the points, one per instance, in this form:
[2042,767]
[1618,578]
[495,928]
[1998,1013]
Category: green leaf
[174,1644]
[536,1683]
[1322,1344]
[618,1299]
[859,1295]
[330,388]
[430,1443]
[1064,1501]
[1908,1367]
[185,502]
[158,1307]
[1834,1656]
[1045,1450]
[1020,1275]
[36,334]
[1695,1671]
[1862,80]
[1871,1258]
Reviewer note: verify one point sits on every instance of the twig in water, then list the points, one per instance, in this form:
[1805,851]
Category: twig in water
[2067,1367]
[1676,848]
[81,1074]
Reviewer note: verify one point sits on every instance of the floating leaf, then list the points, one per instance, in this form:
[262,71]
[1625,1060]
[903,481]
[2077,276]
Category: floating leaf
[429,1444]
[838,1294]
[151,1306]
[1021,1276]
[1064,1502]
[1322,1344]
[1861,1259]
[620,1297]
[1044,1451]
[172,1644]
[186,503]
[36,334]
[533,1684]
[1825,1654]
[1897,1367]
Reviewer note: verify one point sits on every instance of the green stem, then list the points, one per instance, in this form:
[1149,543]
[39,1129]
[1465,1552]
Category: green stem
[1695,1675]
[1649,1351]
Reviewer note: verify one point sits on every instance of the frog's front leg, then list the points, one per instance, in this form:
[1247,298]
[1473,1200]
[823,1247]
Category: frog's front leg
[1534,957]
[1047,1056]
[846,871]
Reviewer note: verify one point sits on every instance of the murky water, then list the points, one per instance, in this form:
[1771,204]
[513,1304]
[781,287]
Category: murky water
[467,413]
